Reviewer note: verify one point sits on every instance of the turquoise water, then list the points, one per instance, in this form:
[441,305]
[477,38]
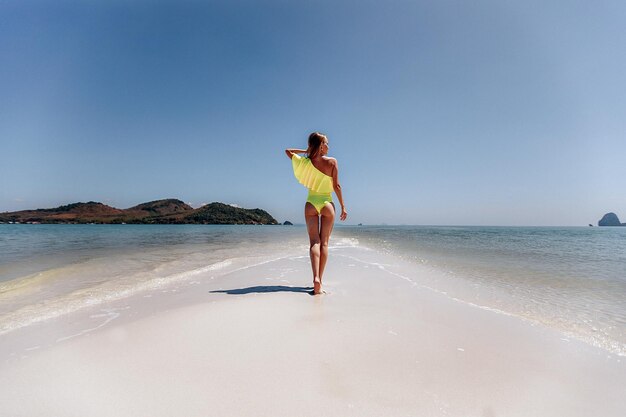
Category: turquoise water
[26,249]
[570,279]
[50,270]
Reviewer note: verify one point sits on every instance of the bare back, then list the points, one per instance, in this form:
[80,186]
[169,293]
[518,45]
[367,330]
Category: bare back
[324,164]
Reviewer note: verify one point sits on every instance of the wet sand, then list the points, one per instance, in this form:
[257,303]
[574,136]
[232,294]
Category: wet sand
[254,342]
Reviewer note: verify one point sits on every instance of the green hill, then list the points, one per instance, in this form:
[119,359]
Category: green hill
[167,211]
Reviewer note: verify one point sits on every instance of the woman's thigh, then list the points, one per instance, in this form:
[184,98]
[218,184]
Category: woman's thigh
[328,220]
[312,223]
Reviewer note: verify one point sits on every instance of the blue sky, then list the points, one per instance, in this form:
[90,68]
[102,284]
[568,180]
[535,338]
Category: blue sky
[439,112]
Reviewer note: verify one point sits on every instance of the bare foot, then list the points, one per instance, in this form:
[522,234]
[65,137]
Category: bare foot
[317,286]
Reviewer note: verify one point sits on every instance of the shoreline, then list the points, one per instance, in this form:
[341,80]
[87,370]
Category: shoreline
[254,342]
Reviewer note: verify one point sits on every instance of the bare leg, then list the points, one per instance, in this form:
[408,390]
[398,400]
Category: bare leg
[312,225]
[328,220]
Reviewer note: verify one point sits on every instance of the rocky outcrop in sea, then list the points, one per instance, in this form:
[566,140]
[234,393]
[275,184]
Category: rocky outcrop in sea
[610,219]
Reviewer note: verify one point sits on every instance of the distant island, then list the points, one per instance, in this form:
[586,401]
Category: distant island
[610,219]
[168,211]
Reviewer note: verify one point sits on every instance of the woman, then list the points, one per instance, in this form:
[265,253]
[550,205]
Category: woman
[319,174]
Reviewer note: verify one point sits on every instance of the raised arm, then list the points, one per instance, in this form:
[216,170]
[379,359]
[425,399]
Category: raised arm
[337,188]
[290,152]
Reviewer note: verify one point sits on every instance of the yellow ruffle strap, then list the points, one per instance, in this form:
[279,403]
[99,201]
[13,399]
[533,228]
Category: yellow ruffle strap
[309,176]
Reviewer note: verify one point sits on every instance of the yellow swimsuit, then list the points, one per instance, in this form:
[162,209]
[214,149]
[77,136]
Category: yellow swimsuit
[319,184]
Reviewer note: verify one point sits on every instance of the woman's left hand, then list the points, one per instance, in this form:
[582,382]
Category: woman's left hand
[344,214]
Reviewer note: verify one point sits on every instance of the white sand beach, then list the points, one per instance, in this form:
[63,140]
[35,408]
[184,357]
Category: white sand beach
[255,343]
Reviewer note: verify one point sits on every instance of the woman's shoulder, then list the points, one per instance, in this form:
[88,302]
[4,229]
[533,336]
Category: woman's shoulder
[330,161]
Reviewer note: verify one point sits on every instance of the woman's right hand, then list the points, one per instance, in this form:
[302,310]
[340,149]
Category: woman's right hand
[344,214]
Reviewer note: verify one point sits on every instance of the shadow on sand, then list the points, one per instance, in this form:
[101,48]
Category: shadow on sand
[266,288]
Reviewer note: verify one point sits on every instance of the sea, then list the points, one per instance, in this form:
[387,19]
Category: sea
[571,279]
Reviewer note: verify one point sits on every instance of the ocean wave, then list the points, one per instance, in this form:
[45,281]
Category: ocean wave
[586,327]
[94,295]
